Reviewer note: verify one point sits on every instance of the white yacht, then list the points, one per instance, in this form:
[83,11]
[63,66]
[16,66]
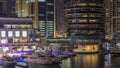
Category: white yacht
[7,61]
[40,59]
[115,51]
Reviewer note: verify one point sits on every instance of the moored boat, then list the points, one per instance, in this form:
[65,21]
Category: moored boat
[8,61]
[115,51]
[40,59]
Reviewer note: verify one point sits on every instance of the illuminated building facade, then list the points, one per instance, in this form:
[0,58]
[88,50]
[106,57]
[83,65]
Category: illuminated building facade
[16,32]
[42,12]
[85,23]
[3,4]
[112,18]
[7,7]
[116,16]
[11,7]
[116,22]
[109,19]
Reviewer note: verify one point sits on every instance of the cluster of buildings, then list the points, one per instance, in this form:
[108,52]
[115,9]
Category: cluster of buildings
[30,19]
[86,22]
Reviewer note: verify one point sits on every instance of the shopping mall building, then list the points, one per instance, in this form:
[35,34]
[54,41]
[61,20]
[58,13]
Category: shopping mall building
[16,35]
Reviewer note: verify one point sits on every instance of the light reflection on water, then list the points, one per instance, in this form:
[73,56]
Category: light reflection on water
[92,61]
[85,61]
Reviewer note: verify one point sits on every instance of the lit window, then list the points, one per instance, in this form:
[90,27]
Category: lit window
[3,40]
[23,40]
[50,4]
[92,20]
[82,4]
[32,1]
[74,4]
[92,4]
[24,33]
[3,33]
[50,12]
[41,14]
[41,0]
[5,49]
[73,20]
[17,33]
[82,20]
[17,40]
[10,33]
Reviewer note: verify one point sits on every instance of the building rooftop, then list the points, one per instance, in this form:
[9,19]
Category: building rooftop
[15,20]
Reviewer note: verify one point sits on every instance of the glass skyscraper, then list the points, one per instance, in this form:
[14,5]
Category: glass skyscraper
[42,12]
[7,8]
[3,6]
[84,21]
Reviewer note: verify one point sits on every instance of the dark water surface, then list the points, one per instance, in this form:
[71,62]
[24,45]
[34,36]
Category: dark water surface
[92,61]
[86,61]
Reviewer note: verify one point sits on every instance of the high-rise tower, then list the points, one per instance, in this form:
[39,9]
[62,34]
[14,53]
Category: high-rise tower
[116,16]
[112,18]
[3,6]
[42,12]
[85,23]
[109,19]
[7,8]
[59,16]
[11,7]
